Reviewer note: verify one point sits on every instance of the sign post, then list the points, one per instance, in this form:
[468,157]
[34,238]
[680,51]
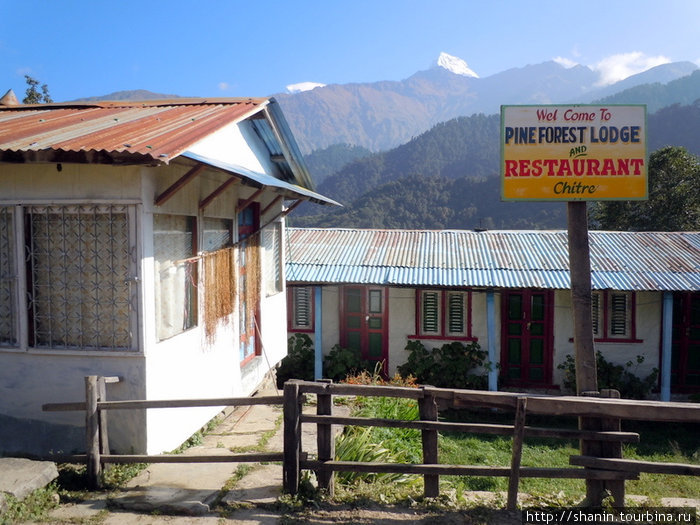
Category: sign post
[576,153]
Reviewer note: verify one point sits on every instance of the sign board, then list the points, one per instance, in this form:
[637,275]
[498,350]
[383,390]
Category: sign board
[573,153]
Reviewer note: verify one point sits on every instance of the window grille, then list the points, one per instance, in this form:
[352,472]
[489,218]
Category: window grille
[455,305]
[8,335]
[595,312]
[217,234]
[302,308]
[79,274]
[431,312]
[618,314]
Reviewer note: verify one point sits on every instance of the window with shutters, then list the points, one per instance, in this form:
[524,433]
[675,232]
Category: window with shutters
[300,308]
[613,315]
[443,314]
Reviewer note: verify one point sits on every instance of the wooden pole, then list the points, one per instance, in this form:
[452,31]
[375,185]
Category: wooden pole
[518,435]
[427,408]
[292,438]
[613,449]
[580,270]
[92,433]
[325,441]
[586,374]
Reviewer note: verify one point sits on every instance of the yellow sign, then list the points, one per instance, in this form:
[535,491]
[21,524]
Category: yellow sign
[573,153]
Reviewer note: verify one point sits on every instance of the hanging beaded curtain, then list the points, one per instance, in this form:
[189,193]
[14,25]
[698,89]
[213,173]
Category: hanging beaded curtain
[219,288]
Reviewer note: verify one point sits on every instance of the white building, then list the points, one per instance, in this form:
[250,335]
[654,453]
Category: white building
[141,240]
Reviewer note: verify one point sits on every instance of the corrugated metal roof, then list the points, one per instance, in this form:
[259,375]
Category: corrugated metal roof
[491,259]
[125,132]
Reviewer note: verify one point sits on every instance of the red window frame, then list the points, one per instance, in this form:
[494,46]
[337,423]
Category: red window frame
[442,334]
[604,320]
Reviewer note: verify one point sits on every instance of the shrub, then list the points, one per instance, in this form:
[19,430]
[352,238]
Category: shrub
[450,366]
[342,362]
[299,361]
[610,375]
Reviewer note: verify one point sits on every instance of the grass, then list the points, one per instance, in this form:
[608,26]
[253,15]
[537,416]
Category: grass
[676,443]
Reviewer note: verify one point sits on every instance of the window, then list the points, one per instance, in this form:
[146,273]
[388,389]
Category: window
[613,315]
[78,290]
[8,308]
[300,308]
[217,234]
[442,314]
[175,274]
[272,258]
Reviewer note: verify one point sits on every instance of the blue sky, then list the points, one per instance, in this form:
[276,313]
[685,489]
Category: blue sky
[257,48]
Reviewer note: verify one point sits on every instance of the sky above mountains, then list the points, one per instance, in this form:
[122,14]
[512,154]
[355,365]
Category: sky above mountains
[232,48]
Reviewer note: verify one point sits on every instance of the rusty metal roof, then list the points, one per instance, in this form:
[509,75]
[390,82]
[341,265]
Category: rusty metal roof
[491,259]
[115,132]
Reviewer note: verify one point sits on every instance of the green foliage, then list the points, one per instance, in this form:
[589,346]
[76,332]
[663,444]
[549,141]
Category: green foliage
[342,362]
[674,197]
[450,366]
[299,361]
[33,95]
[32,508]
[618,377]
[325,162]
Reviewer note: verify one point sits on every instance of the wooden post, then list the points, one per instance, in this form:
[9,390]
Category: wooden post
[586,374]
[580,270]
[325,441]
[595,488]
[613,449]
[292,438]
[518,435]
[92,433]
[427,409]
[102,417]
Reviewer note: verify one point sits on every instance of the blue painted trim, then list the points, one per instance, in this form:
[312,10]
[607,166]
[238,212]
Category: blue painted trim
[491,328]
[318,331]
[667,331]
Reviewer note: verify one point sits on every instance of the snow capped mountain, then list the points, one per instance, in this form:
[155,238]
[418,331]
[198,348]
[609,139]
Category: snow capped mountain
[455,65]
[303,86]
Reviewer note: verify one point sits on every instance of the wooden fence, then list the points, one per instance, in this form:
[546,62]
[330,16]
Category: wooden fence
[599,433]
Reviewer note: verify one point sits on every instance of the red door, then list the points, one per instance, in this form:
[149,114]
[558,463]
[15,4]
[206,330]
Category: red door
[527,338]
[685,355]
[364,320]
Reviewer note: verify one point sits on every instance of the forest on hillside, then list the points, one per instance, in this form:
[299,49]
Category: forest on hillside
[448,178]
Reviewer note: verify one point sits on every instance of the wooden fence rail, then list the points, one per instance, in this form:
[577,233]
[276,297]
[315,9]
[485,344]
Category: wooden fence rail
[605,470]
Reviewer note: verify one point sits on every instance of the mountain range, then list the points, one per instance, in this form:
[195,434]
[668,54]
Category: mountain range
[381,115]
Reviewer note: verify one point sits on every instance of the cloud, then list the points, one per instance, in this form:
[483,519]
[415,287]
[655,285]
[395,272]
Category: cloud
[566,62]
[224,86]
[303,86]
[618,67]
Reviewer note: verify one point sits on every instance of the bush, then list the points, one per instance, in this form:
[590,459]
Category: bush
[450,366]
[299,361]
[342,362]
[614,376]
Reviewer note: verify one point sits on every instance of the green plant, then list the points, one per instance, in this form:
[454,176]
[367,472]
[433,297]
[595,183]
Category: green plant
[342,362]
[610,375]
[450,366]
[299,361]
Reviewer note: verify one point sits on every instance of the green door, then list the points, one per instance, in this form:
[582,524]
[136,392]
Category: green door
[526,354]
[364,323]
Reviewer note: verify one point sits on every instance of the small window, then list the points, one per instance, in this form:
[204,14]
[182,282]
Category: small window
[175,274]
[443,314]
[272,258]
[301,309]
[430,312]
[612,314]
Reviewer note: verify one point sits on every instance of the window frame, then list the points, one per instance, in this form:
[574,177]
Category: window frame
[292,326]
[603,317]
[25,254]
[443,314]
